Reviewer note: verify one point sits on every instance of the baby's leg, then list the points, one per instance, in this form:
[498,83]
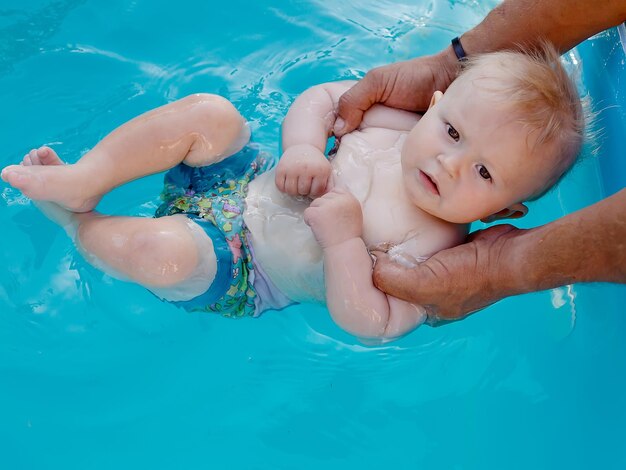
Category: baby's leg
[171,256]
[198,130]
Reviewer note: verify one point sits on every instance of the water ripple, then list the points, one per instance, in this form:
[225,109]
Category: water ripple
[148,68]
[28,37]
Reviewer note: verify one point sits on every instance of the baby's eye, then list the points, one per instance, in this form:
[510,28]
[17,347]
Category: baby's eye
[484,173]
[452,132]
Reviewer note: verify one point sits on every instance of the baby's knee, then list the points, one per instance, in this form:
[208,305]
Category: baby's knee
[161,258]
[199,278]
[222,129]
[214,109]
[155,252]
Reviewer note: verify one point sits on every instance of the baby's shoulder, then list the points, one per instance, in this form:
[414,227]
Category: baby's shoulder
[384,117]
[382,128]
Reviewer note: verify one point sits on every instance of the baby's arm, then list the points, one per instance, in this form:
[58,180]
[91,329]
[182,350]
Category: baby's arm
[353,301]
[303,168]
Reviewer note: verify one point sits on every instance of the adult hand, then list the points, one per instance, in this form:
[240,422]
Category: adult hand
[454,282]
[584,246]
[409,85]
[406,85]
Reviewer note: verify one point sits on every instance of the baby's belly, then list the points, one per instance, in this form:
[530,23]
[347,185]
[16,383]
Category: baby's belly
[283,244]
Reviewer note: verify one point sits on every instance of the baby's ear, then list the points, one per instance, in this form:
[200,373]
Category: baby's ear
[512,212]
[436,97]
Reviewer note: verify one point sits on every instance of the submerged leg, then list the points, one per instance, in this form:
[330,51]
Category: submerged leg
[171,256]
[198,130]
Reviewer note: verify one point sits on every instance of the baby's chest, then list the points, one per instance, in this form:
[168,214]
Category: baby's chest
[388,217]
[369,165]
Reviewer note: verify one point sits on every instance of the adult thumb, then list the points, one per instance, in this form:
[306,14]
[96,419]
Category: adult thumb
[351,107]
[402,282]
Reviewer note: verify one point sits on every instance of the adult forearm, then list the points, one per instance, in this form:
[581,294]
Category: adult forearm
[565,23]
[585,246]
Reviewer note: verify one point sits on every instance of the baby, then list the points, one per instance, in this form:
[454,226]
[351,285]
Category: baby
[232,235]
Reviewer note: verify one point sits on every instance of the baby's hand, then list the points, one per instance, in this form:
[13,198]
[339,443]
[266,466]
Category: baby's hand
[303,171]
[335,218]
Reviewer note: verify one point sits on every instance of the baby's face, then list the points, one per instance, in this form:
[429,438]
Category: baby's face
[467,158]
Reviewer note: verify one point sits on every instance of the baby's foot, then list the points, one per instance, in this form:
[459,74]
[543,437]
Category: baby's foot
[42,176]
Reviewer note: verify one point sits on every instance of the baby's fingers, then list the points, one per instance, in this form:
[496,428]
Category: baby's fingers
[310,215]
[279,180]
[286,180]
[291,185]
[319,186]
[304,185]
[318,202]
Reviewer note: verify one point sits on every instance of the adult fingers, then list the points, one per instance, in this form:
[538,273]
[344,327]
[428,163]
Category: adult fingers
[402,282]
[353,104]
[446,290]
[491,233]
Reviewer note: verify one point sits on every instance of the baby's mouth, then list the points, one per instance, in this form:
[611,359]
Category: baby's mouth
[429,182]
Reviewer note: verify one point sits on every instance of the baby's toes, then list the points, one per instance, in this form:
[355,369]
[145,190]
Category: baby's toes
[28,158]
[47,156]
[34,157]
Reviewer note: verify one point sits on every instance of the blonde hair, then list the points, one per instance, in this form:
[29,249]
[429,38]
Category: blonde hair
[542,97]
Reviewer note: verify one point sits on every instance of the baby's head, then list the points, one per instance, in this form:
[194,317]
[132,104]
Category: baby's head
[506,130]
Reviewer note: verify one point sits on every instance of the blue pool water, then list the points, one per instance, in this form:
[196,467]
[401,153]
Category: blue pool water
[98,374]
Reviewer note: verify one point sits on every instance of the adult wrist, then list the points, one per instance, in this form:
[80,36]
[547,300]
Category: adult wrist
[450,66]
[458,49]
[516,264]
[542,259]
[585,246]
[524,272]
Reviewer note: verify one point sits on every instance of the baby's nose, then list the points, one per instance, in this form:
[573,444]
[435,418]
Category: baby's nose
[450,163]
